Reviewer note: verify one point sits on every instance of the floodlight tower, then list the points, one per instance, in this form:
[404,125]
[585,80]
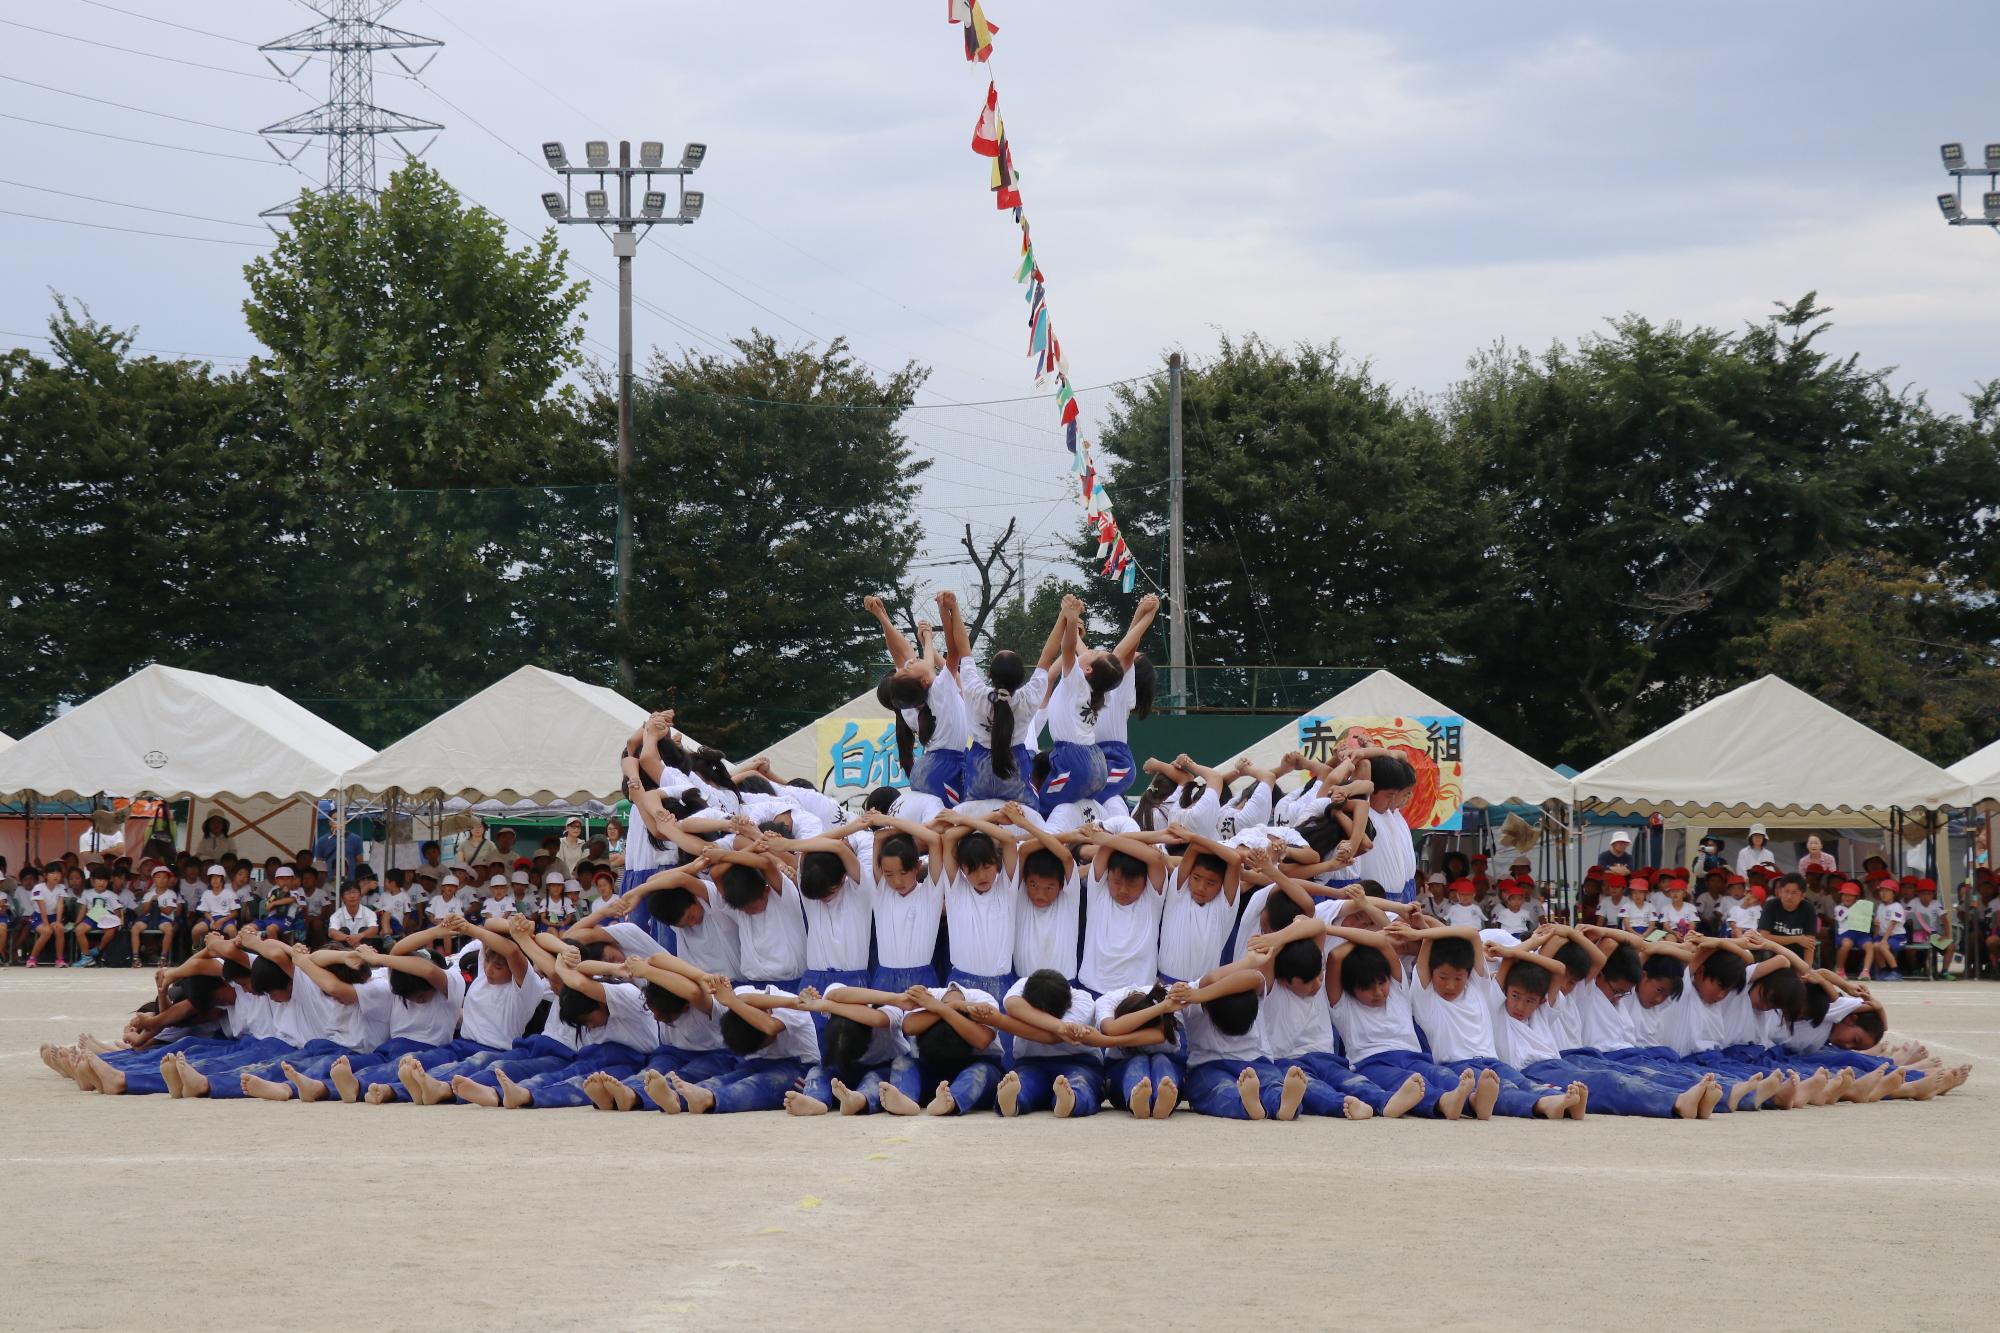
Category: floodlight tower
[1952,205]
[625,229]
[347,39]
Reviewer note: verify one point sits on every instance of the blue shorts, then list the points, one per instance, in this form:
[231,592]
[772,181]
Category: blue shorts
[1858,938]
[940,773]
[1897,943]
[1118,769]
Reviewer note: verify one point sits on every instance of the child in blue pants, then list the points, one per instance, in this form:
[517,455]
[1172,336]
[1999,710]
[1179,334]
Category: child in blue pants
[1454,999]
[862,1047]
[1146,1051]
[1055,1066]
[772,1035]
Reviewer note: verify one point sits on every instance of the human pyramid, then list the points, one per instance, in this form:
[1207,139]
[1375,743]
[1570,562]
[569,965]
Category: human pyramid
[1008,934]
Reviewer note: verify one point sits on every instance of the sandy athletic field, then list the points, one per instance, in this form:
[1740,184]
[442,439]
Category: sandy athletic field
[145,1212]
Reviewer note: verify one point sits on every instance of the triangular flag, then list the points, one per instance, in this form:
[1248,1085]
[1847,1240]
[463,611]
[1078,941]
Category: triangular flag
[986,133]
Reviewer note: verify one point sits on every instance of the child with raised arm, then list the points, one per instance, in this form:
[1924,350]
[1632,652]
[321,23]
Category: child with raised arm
[1145,1051]
[1000,707]
[957,1057]
[1227,1074]
[837,895]
[1727,990]
[1048,915]
[773,1038]
[1132,697]
[909,902]
[690,1042]
[1454,1001]
[499,1003]
[423,1014]
[752,890]
[979,863]
[923,695]
[1084,681]
[1055,1066]
[1199,906]
[1122,906]
[862,1048]
[677,898]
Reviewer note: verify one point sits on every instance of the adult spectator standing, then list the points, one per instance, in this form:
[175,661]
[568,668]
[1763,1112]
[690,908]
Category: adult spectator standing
[1757,852]
[1817,860]
[494,848]
[330,846]
[570,849]
[1619,854]
[215,840]
[1791,920]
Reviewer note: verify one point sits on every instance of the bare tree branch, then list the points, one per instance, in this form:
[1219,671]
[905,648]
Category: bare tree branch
[990,597]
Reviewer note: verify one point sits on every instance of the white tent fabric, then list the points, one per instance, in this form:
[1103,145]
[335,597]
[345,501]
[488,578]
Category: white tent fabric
[534,736]
[797,755]
[1767,748]
[1981,771]
[1496,773]
[172,733]
[5,740]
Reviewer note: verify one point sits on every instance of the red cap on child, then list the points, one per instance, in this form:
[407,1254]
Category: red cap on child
[1464,886]
[1927,885]
[1850,887]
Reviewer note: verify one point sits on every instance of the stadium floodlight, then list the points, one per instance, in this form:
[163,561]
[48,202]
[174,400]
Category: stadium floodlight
[691,205]
[597,203]
[1993,157]
[554,203]
[1990,201]
[553,152]
[1948,205]
[651,153]
[692,155]
[597,152]
[1953,155]
[654,204]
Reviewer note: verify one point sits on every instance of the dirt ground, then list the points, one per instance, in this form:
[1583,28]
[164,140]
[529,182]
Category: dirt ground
[146,1212]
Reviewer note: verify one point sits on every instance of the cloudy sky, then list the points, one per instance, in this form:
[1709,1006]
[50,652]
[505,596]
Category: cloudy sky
[1417,181]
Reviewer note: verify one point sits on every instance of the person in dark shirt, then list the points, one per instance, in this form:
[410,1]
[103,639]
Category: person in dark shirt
[1620,853]
[1790,919]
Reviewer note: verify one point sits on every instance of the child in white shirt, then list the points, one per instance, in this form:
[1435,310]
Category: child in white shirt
[97,909]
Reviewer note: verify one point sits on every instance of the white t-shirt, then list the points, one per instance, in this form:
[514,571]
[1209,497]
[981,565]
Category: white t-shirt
[632,941]
[309,1015]
[1365,1031]
[1465,914]
[1695,1025]
[1636,915]
[972,994]
[1113,720]
[495,1016]
[1927,917]
[837,927]
[1070,717]
[103,901]
[1106,1009]
[1754,856]
[1121,944]
[628,1021]
[1521,1044]
[250,1015]
[1649,1026]
[1026,702]
[1889,919]
[1605,1026]
[348,923]
[217,902]
[948,720]
[48,899]
[1672,917]
[1461,1028]
[1392,861]
[771,945]
[1515,921]
[696,1029]
[429,1021]
[713,946]
[1802,1037]
[164,900]
[799,1040]
[917,807]
[906,924]
[1206,1042]
[1290,1025]
[1192,935]
[1743,914]
[982,924]
[1082,1009]
[1045,937]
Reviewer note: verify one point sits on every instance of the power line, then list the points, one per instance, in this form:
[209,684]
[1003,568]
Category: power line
[119,203]
[153,18]
[164,351]
[127,106]
[136,231]
[147,143]
[150,55]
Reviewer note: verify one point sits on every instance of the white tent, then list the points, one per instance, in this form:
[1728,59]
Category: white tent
[1495,772]
[1767,749]
[535,736]
[5,740]
[172,733]
[797,755]
[1981,771]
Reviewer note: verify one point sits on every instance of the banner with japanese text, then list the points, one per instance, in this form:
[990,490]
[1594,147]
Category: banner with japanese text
[858,754]
[1434,747]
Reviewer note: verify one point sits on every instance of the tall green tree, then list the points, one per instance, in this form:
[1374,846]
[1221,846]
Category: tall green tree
[450,510]
[1330,521]
[1877,637]
[772,491]
[137,525]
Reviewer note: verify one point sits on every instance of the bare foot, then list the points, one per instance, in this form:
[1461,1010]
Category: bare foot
[1452,1104]
[1141,1102]
[851,1102]
[171,1072]
[1008,1094]
[1292,1094]
[1250,1094]
[106,1078]
[1841,1087]
[417,1081]
[623,1097]
[512,1095]
[310,1089]
[697,1099]
[1404,1097]
[194,1083]
[344,1082]
[1768,1087]
[897,1102]
[264,1089]
[379,1094]
[1812,1092]
[797,1103]
[1553,1107]
[942,1102]
[1579,1100]
[662,1092]
[1485,1095]
[477,1094]
[595,1087]
[1356,1109]
[80,1070]
[1065,1097]
[48,1049]
[90,1045]
[1687,1106]
[1165,1098]
[1712,1098]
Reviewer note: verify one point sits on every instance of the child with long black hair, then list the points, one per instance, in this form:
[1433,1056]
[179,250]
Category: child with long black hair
[1000,706]
[1133,697]
[922,693]
[1077,766]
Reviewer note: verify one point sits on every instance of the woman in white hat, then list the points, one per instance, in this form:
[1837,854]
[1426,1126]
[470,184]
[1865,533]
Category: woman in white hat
[1757,852]
[1620,852]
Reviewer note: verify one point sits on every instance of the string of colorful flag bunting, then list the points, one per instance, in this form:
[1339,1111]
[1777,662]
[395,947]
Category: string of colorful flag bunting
[989,140]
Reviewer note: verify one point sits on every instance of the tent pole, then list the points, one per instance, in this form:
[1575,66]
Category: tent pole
[389,840]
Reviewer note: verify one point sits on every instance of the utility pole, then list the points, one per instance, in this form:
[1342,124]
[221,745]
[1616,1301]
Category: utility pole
[626,229]
[1176,573]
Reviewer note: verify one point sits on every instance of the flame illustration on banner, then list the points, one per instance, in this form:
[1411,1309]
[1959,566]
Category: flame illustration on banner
[989,140]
